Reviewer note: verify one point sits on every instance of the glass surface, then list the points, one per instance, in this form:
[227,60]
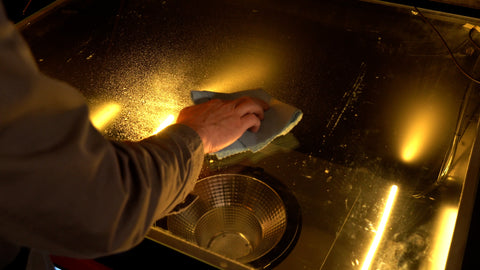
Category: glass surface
[380,95]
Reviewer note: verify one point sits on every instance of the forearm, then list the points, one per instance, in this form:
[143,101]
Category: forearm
[78,194]
[64,188]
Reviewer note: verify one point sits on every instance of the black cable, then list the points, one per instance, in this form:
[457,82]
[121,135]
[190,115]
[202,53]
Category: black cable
[447,162]
[448,48]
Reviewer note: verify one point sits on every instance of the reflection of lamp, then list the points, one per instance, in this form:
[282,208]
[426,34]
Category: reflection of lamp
[165,123]
[381,227]
[243,69]
[418,135]
[240,75]
[104,114]
[412,147]
[443,237]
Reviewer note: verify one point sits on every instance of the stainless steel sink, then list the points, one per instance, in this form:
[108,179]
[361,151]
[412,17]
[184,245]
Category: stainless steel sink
[234,215]
[247,216]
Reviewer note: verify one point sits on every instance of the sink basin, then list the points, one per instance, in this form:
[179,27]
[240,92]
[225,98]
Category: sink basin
[235,215]
[241,218]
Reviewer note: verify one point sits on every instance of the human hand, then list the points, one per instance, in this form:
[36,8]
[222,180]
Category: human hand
[221,122]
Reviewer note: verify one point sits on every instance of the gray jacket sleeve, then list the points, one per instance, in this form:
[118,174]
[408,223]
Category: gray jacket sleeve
[64,188]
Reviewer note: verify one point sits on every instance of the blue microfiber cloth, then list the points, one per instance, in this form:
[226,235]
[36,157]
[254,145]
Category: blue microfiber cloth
[278,120]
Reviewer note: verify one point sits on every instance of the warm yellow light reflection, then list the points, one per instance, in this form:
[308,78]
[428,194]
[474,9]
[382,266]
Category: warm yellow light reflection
[101,116]
[412,148]
[381,228]
[153,106]
[165,123]
[419,131]
[443,237]
[238,75]
[241,70]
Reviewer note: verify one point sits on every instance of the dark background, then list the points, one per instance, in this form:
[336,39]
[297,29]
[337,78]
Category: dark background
[18,10]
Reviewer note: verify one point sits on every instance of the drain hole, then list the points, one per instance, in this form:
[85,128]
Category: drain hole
[231,244]
[232,231]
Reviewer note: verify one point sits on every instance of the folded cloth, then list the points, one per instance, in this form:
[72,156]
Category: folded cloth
[278,120]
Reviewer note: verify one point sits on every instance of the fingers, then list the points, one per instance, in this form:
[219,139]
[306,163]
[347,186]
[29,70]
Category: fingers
[251,122]
[251,111]
[249,105]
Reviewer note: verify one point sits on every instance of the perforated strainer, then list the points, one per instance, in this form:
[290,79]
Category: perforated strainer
[235,215]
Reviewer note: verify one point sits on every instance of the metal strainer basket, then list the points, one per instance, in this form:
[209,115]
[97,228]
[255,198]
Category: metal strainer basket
[235,215]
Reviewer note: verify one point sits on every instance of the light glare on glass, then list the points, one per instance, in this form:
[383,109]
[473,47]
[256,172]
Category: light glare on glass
[105,113]
[381,228]
[443,234]
[165,123]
